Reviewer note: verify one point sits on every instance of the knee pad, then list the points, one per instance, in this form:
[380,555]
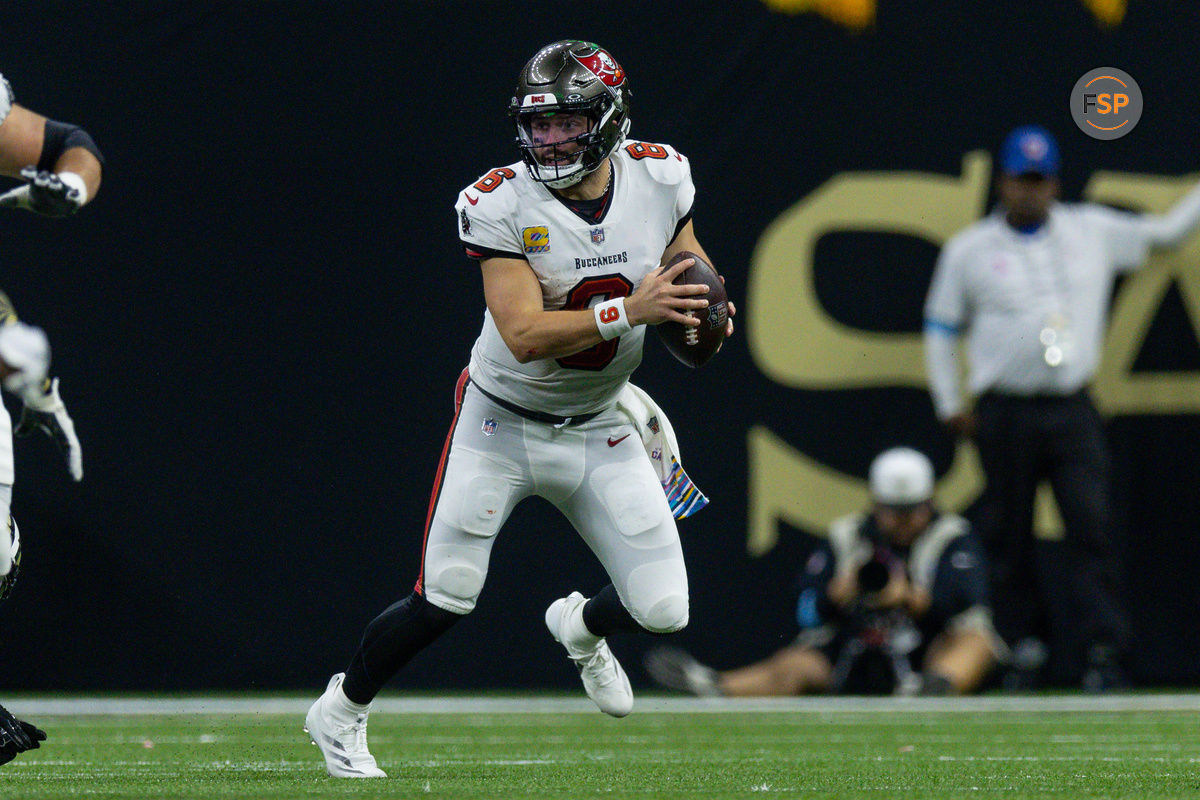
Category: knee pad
[657,596]
[474,501]
[454,575]
[637,507]
[668,615]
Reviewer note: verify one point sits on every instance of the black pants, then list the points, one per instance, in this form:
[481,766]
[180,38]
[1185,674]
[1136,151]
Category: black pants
[1023,441]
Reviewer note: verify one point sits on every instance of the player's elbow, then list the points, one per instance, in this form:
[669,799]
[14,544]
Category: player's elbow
[523,357]
[522,346]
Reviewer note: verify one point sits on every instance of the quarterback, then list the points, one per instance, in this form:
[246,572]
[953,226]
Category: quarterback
[571,242]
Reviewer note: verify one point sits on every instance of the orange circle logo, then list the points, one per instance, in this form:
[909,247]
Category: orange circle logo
[1106,103]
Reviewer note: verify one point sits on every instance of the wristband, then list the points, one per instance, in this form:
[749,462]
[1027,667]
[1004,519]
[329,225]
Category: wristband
[611,319]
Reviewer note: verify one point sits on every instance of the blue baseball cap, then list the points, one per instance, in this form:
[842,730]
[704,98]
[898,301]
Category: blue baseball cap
[1030,148]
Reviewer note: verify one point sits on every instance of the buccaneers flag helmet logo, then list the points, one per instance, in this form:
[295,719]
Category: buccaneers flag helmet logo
[603,66]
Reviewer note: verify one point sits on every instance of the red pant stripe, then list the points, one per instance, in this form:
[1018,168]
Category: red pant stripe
[459,389]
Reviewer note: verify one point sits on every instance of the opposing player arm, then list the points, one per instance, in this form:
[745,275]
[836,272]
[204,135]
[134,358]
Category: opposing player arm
[514,298]
[20,140]
[60,162]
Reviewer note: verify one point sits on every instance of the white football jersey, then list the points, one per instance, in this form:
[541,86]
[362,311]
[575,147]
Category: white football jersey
[579,264]
[6,450]
[6,99]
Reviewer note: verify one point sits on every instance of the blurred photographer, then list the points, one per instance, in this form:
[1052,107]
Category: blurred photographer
[895,601]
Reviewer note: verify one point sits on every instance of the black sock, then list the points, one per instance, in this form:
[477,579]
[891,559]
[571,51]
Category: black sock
[390,641]
[604,614]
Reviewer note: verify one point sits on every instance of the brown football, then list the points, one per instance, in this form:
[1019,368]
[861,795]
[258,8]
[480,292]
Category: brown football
[694,345]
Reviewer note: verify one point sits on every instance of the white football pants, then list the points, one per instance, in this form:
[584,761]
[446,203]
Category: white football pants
[596,473]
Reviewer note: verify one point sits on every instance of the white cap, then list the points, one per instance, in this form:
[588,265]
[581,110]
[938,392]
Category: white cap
[901,477]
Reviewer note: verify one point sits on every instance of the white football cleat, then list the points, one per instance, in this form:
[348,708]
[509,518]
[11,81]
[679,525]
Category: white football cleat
[341,736]
[603,679]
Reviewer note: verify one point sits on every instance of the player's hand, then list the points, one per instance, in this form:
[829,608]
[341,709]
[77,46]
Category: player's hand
[47,193]
[732,312]
[48,414]
[659,300]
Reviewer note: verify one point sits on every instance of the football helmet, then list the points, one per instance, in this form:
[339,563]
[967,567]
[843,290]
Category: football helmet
[571,77]
[10,557]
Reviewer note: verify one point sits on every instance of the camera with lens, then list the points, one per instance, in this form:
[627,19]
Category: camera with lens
[873,659]
[874,574]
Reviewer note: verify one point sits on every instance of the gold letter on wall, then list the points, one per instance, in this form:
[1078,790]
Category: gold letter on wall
[798,345]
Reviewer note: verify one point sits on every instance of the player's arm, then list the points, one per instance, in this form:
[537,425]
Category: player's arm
[514,298]
[60,163]
[24,363]
[686,240]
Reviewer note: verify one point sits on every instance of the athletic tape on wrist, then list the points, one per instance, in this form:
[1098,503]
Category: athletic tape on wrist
[74,181]
[611,319]
[26,352]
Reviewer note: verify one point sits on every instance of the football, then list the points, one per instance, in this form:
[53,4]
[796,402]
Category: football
[694,345]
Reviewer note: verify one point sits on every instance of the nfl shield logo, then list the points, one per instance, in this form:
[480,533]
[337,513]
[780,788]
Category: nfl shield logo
[597,235]
[489,427]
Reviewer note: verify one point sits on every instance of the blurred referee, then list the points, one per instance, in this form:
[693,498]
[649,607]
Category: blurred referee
[1029,286]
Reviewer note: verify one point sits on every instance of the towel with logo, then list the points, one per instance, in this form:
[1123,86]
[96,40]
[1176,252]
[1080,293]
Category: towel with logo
[658,437]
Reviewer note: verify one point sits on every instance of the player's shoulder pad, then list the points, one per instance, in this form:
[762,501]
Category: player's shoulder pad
[6,98]
[495,194]
[662,162]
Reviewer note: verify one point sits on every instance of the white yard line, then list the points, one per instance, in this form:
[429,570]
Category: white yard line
[535,704]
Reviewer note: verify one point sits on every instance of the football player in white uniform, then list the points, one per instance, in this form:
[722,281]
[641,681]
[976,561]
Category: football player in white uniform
[571,244]
[60,167]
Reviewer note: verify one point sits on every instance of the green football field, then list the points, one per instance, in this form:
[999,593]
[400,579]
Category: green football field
[1062,747]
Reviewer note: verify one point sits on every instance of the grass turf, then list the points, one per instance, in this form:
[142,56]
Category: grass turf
[568,756]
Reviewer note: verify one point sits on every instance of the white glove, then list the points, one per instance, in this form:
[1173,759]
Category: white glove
[25,350]
[47,413]
[52,194]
